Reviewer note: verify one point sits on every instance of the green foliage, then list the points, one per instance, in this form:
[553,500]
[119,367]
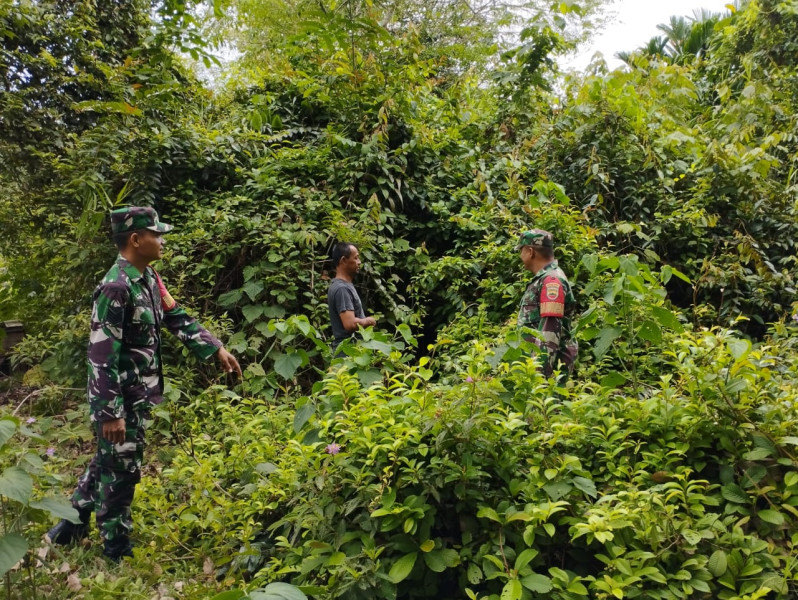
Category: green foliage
[23,480]
[388,482]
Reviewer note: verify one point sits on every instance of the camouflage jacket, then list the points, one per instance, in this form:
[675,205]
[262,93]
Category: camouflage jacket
[125,370]
[548,305]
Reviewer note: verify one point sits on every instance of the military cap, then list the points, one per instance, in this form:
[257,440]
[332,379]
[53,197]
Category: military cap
[133,218]
[535,237]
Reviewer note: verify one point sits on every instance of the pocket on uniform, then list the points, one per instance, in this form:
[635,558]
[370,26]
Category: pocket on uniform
[139,333]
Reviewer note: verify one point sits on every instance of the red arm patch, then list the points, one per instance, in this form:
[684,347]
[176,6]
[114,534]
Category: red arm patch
[552,298]
[167,302]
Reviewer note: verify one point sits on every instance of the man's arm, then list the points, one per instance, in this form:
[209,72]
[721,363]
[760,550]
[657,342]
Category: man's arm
[344,304]
[551,331]
[351,322]
[552,310]
[105,346]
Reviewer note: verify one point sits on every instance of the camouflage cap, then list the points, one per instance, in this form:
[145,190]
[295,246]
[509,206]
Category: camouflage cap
[535,237]
[133,218]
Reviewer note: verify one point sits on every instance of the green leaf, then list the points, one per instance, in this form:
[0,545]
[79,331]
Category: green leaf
[488,513]
[739,349]
[474,574]
[302,324]
[613,380]
[435,561]
[256,369]
[278,591]
[287,364]
[763,441]
[591,262]
[252,311]
[605,339]
[7,429]
[512,590]
[776,583]
[266,468]
[757,454]
[585,485]
[274,312]
[650,332]
[557,489]
[377,345]
[751,568]
[577,587]
[369,377]
[229,299]
[734,493]
[525,558]
[773,517]
[540,584]
[406,333]
[16,484]
[402,567]
[57,507]
[451,558]
[693,537]
[253,288]
[735,385]
[735,562]
[255,120]
[666,318]
[12,549]
[303,415]
[426,546]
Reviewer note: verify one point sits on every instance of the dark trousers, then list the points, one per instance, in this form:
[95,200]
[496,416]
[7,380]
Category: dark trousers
[110,480]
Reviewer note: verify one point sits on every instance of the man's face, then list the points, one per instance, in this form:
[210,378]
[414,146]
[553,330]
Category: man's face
[527,254]
[352,262]
[149,244]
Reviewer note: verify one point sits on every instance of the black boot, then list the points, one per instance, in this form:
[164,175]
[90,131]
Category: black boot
[67,532]
[118,548]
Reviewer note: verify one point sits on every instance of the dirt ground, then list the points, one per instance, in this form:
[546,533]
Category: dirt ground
[13,393]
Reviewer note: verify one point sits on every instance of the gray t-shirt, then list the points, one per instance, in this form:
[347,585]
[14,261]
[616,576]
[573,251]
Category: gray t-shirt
[342,297]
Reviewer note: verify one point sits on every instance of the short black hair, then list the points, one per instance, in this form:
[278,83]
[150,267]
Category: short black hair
[546,252]
[341,250]
[121,239]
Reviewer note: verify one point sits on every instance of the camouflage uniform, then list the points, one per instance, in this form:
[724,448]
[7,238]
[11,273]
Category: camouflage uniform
[548,305]
[125,374]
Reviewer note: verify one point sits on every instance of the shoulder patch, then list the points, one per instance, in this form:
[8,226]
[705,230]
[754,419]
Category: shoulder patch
[167,302]
[552,298]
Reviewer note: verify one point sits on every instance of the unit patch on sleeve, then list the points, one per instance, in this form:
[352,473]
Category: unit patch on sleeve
[552,298]
[167,302]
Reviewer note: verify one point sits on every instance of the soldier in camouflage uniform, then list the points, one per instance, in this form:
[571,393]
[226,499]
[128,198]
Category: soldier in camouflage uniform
[548,305]
[126,377]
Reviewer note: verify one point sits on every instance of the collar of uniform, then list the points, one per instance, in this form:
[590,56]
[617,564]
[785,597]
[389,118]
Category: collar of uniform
[549,267]
[132,272]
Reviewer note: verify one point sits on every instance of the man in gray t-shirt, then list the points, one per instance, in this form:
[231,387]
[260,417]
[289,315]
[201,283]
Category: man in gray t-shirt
[346,310]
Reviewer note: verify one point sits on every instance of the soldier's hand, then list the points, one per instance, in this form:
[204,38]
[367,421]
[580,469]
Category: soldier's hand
[229,362]
[114,431]
[370,322]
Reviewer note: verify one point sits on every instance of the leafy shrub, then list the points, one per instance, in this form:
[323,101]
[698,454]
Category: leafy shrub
[23,505]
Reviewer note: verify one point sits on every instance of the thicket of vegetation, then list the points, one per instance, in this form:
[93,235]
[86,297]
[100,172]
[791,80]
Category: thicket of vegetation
[434,461]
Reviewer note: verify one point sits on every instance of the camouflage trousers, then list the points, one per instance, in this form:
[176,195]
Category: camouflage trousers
[110,480]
